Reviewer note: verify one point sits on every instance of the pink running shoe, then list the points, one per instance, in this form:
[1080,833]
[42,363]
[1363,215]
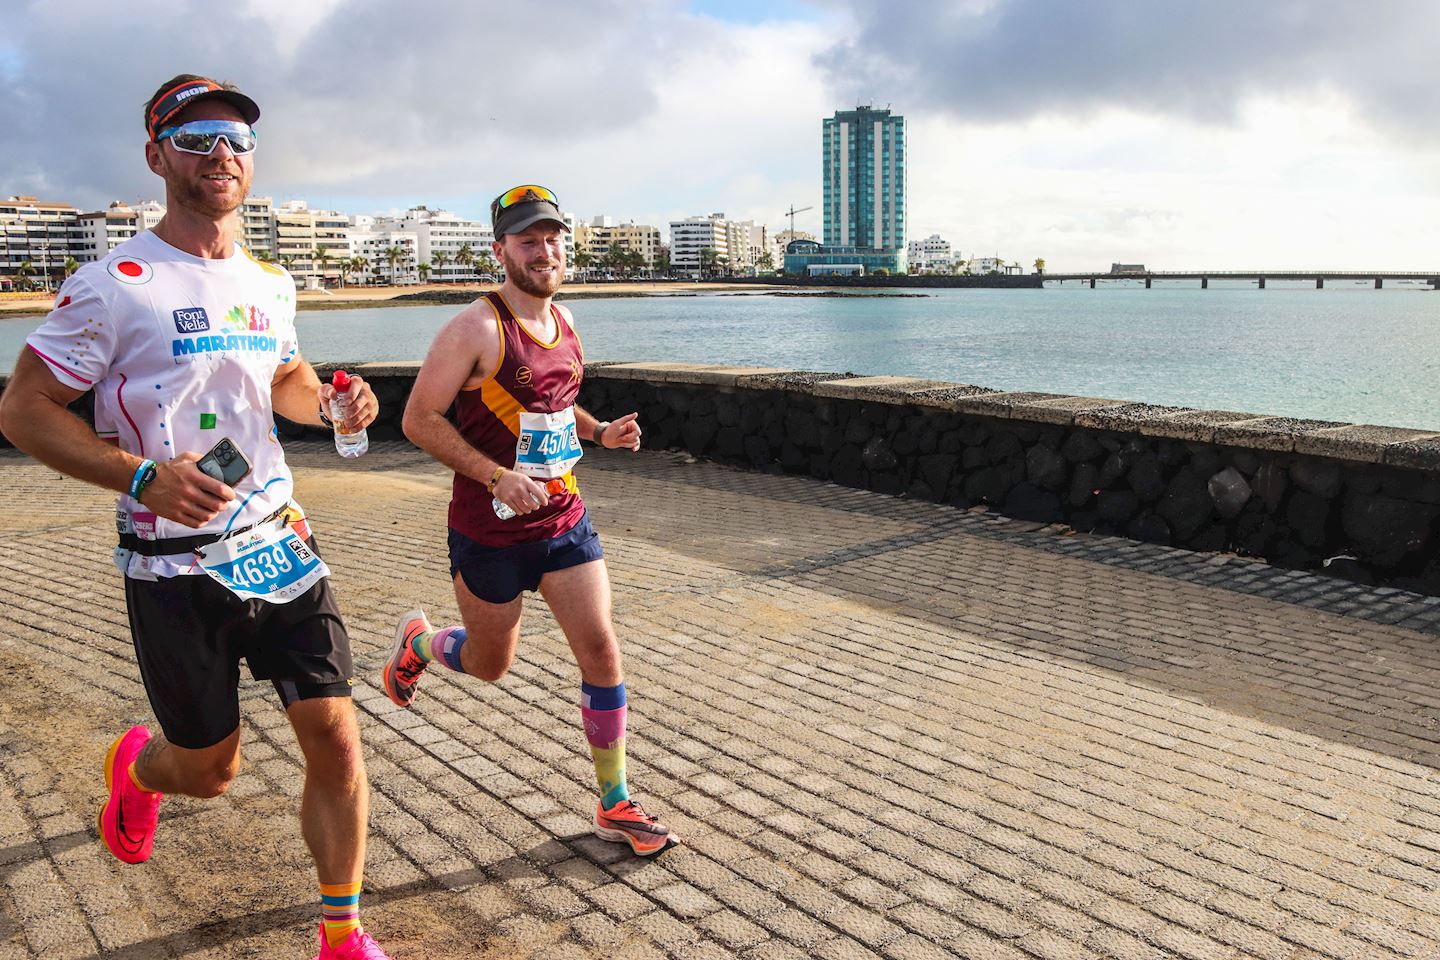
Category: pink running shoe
[127,821]
[627,822]
[358,946]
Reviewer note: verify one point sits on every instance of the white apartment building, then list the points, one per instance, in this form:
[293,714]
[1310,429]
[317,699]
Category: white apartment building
[979,266]
[257,227]
[601,234]
[693,235]
[931,254]
[301,234]
[149,213]
[440,236]
[40,234]
[391,254]
[748,243]
[104,230]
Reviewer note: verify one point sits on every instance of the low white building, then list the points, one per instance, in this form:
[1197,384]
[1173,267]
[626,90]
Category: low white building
[933,254]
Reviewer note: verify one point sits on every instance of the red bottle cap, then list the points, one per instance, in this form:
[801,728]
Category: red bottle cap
[340,381]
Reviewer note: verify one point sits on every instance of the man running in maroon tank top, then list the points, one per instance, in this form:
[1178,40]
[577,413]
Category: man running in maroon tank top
[511,365]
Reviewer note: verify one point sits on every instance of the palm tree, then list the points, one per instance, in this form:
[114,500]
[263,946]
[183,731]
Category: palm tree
[438,259]
[708,261]
[358,265]
[1039,264]
[582,260]
[485,263]
[23,274]
[71,265]
[287,260]
[321,258]
[424,271]
[394,255]
[465,256]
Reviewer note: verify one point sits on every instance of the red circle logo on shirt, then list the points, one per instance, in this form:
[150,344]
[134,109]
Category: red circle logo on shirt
[130,270]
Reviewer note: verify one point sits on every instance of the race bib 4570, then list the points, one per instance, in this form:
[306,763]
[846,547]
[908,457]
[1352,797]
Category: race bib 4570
[548,445]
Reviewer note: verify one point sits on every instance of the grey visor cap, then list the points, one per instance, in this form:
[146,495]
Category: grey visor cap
[524,215]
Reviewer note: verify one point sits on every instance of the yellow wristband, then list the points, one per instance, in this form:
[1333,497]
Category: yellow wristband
[499,472]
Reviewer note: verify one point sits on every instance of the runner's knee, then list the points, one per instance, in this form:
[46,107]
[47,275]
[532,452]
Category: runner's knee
[213,778]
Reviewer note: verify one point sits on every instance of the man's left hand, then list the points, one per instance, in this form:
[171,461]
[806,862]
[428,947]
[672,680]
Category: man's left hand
[361,407]
[623,433]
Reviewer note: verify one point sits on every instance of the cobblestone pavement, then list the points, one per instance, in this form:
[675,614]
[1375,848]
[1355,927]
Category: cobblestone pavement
[883,728]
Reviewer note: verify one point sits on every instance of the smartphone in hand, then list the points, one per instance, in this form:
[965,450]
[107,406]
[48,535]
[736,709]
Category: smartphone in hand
[225,463]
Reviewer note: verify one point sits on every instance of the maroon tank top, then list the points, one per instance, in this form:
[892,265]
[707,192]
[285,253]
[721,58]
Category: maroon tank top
[534,376]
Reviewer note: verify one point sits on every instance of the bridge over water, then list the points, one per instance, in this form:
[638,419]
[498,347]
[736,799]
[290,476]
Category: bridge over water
[1205,276]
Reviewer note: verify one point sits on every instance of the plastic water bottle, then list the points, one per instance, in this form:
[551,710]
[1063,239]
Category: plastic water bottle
[348,445]
[504,511]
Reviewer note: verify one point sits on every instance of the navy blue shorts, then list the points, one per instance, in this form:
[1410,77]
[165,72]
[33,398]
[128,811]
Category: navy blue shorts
[498,574]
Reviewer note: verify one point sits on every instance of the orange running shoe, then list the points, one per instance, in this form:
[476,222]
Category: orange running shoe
[401,673]
[129,816]
[626,822]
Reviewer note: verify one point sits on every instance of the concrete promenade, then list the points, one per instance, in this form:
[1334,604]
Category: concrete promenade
[884,728]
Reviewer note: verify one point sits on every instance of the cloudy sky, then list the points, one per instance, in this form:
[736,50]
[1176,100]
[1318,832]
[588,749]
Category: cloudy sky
[1177,134]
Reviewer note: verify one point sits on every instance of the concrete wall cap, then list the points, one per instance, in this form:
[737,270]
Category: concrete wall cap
[1270,433]
[883,389]
[1059,410]
[1125,416]
[793,381]
[1366,443]
[1419,454]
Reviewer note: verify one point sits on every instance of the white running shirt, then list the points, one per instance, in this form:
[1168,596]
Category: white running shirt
[181,352]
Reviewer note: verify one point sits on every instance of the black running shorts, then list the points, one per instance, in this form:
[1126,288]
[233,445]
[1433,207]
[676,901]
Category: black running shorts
[190,634]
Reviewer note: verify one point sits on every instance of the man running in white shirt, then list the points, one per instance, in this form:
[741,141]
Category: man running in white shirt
[189,346]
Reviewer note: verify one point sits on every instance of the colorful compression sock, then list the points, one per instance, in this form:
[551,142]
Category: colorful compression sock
[603,710]
[442,646]
[340,908]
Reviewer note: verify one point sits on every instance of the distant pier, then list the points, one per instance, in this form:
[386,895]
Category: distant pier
[1205,276]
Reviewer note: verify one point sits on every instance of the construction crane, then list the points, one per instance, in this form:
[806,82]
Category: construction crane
[791,214]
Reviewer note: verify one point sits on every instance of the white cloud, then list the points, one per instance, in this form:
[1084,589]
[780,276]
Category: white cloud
[1037,127]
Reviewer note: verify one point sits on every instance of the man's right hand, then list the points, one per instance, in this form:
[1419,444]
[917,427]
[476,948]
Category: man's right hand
[180,492]
[520,493]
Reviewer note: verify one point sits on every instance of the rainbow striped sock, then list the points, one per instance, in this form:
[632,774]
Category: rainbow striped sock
[340,909]
[442,646]
[603,710]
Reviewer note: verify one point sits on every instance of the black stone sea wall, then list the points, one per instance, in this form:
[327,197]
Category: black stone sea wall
[1356,501]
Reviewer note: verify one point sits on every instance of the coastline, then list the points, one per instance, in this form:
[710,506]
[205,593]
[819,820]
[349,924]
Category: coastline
[447,294]
[14,306]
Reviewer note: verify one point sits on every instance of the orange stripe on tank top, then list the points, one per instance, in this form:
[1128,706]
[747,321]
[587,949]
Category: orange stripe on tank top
[502,404]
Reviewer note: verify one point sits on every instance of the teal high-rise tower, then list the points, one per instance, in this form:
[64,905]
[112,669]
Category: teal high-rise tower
[865,179]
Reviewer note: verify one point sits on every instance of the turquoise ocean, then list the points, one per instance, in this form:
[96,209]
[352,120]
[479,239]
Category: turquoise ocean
[1347,353]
